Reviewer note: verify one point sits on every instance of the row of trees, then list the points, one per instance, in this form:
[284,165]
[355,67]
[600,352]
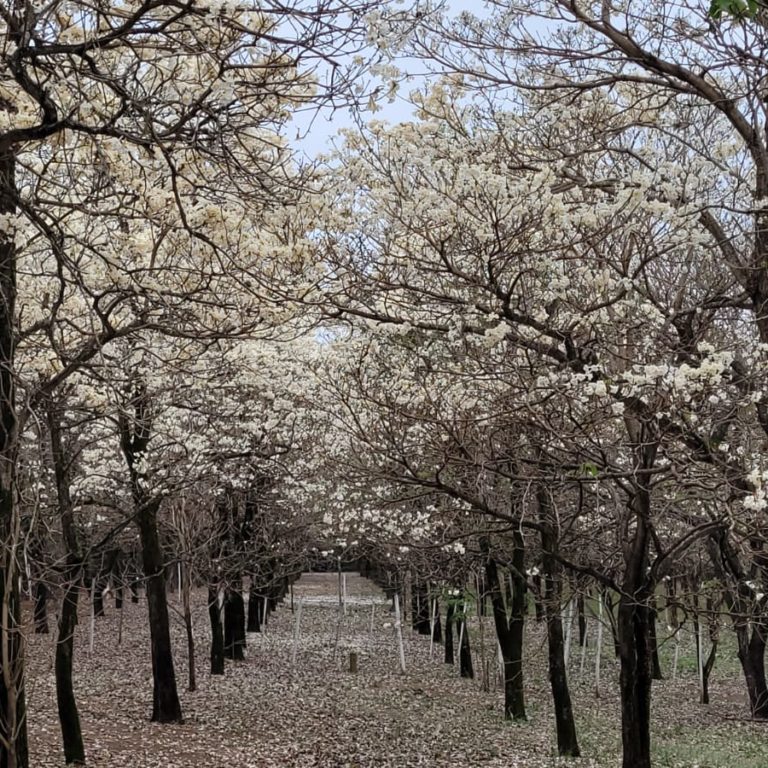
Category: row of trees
[529,324]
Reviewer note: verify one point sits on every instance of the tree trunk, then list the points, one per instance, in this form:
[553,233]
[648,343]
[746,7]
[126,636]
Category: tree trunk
[739,599]
[509,622]
[437,632]
[582,620]
[69,718]
[254,610]
[186,590]
[465,652]
[752,658]
[653,642]
[217,632]
[635,681]
[449,614]
[633,621]
[234,624]
[135,422]
[567,743]
[13,725]
[41,608]
[98,600]
[166,707]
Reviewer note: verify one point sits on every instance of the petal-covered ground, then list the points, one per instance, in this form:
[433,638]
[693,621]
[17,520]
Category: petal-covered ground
[269,711]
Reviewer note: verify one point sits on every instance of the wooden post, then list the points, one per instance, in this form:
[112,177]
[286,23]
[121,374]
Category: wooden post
[431,628]
[584,648]
[93,618]
[599,645]
[678,631]
[353,662]
[264,613]
[296,633]
[399,629]
[700,655]
[341,600]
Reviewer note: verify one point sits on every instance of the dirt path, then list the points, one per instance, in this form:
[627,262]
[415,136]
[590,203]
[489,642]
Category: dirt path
[267,712]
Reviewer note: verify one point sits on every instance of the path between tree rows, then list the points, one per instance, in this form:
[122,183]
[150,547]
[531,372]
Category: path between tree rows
[265,712]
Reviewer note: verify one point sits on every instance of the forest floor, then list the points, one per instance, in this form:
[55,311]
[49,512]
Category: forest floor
[268,712]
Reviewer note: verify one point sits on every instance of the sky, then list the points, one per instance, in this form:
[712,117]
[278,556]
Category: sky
[313,131]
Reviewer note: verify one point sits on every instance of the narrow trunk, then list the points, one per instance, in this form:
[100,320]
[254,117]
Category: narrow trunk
[41,608]
[509,621]
[448,656]
[654,643]
[166,707]
[69,718]
[582,620]
[633,620]
[217,632]
[437,632]
[135,422]
[567,743]
[254,610]
[465,652]
[13,722]
[186,590]
[98,600]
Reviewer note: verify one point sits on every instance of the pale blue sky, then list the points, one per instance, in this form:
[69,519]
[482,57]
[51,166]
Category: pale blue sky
[314,130]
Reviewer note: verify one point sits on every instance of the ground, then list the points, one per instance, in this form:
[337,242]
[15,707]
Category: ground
[268,711]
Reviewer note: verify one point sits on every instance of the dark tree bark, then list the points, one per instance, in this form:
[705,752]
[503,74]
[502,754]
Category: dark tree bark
[254,610]
[41,608]
[654,642]
[135,432]
[610,612]
[509,621]
[437,630]
[749,622]
[567,743]
[217,632]
[166,707]
[69,718]
[119,597]
[186,588]
[13,725]
[465,652]
[422,609]
[234,624]
[98,600]
[633,621]
[449,615]
[582,620]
